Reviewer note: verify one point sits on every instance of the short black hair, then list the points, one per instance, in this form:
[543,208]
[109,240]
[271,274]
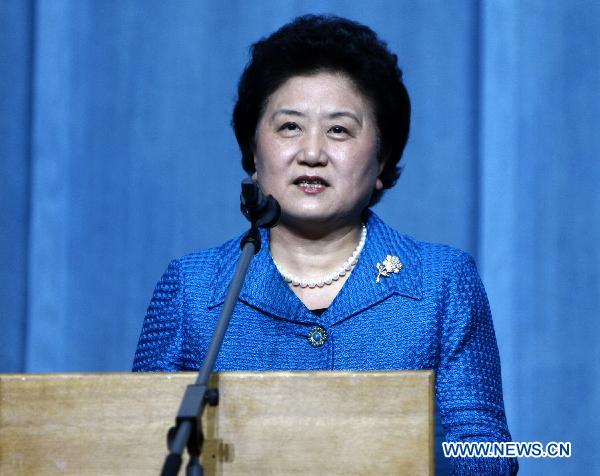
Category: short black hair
[314,43]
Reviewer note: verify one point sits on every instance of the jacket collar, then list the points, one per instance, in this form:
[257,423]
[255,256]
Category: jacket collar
[266,290]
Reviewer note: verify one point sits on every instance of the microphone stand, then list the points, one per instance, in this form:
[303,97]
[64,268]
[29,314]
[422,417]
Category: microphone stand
[187,432]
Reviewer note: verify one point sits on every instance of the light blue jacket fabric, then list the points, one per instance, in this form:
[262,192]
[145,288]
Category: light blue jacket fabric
[433,314]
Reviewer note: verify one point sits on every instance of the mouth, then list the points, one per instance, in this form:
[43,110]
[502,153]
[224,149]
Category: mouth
[311,184]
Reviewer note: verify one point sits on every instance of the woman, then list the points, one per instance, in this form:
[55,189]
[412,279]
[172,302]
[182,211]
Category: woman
[322,119]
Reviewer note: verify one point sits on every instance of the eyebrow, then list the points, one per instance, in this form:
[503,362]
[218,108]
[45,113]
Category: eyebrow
[333,115]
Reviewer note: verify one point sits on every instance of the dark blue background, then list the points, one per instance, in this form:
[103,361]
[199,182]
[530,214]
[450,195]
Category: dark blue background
[116,154]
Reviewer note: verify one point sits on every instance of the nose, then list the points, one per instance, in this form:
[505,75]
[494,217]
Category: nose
[312,151]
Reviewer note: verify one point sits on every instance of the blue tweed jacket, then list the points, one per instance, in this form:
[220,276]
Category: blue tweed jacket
[433,314]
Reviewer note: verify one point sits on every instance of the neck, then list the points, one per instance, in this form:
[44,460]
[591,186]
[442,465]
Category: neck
[309,254]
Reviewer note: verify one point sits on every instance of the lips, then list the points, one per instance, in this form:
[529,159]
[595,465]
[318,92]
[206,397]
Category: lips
[311,185]
[314,181]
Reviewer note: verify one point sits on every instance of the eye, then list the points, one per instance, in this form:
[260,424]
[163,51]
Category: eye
[338,131]
[289,127]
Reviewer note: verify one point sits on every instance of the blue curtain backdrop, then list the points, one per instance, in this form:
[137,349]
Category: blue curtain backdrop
[116,154]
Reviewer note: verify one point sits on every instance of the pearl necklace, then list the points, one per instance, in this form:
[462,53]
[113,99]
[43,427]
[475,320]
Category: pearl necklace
[330,278]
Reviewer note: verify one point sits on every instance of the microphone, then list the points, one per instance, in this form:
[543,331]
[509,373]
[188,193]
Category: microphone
[261,211]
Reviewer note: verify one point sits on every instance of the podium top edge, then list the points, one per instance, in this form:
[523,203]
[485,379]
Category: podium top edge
[321,374]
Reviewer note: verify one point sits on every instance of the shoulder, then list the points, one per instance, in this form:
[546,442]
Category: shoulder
[190,280]
[427,252]
[433,264]
[443,256]
[196,271]
[202,260]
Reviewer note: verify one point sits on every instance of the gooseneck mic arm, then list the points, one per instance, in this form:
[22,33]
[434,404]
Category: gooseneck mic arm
[262,212]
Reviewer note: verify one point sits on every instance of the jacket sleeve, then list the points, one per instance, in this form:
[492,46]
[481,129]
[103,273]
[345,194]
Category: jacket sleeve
[159,346]
[469,386]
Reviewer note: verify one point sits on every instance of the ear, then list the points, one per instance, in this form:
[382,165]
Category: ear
[381,165]
[254,175]
[379,183]
[253,149]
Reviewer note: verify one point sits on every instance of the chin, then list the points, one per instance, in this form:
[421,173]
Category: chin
[310,215]
[313,217]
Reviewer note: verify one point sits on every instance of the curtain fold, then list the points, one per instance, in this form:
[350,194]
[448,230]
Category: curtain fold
[540,217]
[16,71]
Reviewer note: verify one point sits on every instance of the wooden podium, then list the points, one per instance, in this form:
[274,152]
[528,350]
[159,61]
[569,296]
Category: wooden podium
[266,423]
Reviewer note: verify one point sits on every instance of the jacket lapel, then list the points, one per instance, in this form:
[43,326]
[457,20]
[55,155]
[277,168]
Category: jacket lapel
[266,290]
[361,290]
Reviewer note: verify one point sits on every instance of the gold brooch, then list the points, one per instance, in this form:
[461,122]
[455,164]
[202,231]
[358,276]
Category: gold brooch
[391,264]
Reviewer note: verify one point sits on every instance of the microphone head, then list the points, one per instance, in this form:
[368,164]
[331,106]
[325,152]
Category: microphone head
[272,213]
[260,211]
[251,196]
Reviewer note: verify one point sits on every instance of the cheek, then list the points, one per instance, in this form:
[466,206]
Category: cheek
[270,167]
[269,156]
[365,167]
[262,155]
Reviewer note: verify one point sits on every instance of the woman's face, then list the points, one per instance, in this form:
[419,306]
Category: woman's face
[316,150]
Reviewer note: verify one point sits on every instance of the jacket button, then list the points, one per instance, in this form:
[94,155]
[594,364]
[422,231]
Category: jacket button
[317,336]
